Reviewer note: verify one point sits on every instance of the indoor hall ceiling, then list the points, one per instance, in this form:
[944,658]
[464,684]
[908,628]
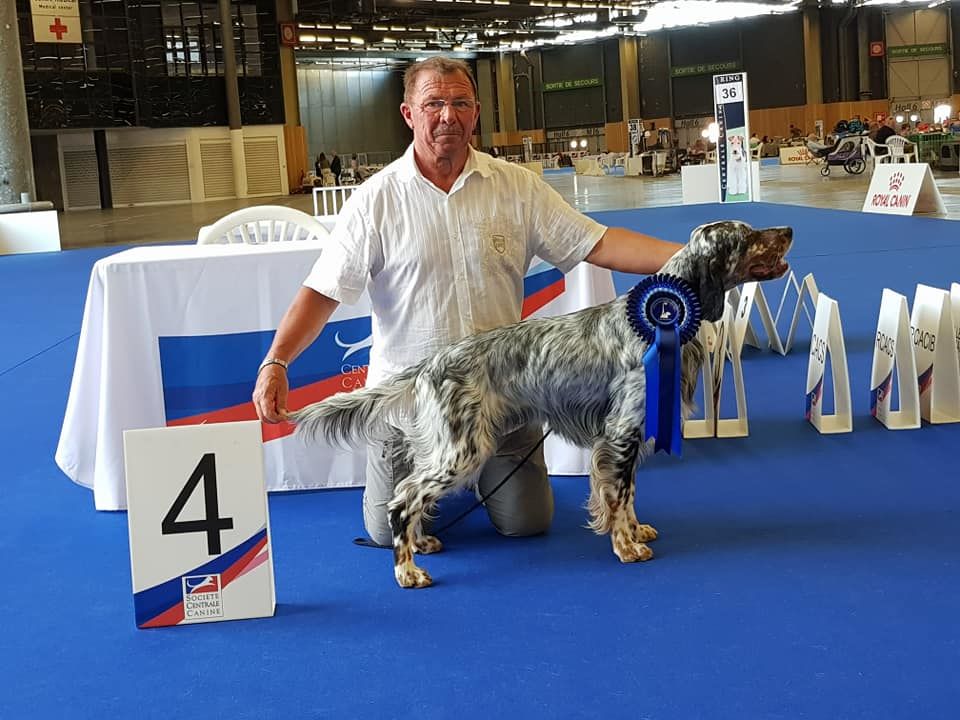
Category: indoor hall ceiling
[411,27]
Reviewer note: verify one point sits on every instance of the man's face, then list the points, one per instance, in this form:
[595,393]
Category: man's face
[441,131]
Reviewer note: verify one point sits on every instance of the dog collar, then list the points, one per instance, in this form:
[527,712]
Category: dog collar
[665,312]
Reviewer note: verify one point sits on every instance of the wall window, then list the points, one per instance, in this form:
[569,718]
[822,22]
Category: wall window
[193,45]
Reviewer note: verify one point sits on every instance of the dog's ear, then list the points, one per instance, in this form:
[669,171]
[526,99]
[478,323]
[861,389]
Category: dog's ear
[712,263]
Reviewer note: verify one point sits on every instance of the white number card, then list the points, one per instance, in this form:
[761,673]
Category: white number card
[729,92]
[198,523]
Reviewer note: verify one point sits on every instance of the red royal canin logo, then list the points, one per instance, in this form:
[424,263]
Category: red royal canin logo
[896,180]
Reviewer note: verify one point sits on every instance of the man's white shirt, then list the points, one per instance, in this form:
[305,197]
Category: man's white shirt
[441,266]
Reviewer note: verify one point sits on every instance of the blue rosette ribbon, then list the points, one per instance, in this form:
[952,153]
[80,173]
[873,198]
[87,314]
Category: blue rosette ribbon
[665,312]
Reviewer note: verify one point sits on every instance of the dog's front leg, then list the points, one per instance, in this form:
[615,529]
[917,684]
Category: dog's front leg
[412,497]
[612,489]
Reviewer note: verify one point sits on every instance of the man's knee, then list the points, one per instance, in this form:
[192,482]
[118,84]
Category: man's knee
[533,518]
[376,523]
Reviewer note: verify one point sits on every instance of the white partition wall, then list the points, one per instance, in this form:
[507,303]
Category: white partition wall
[176,165]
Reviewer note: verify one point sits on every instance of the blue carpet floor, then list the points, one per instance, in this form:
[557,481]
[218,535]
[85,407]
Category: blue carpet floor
[797,575]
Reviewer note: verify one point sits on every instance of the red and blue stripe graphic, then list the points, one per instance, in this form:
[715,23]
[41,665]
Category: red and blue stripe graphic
[881,392]
[542,284]
[163,604]
[814,397]
[210,378]
[925,379]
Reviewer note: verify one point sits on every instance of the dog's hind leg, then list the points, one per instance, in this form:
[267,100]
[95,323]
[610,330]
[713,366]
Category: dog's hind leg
[412,498]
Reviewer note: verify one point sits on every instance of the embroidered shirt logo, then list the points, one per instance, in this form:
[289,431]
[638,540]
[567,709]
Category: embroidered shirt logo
[499,243]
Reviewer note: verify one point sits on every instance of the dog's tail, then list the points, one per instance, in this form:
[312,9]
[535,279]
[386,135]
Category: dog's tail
[368,414]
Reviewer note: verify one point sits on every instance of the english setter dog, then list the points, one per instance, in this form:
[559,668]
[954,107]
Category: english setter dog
[582,374]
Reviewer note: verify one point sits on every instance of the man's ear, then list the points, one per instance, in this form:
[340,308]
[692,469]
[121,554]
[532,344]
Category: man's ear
[407,114]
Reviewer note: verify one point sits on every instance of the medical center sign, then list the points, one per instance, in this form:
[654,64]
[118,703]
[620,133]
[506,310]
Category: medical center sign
[56,21]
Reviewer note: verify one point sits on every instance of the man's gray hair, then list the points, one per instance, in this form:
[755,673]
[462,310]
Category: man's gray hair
[439,65]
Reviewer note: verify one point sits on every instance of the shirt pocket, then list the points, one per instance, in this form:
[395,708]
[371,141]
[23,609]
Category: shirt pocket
[502,246]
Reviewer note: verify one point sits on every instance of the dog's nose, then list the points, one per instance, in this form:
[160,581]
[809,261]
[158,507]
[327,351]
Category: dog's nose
[788,232]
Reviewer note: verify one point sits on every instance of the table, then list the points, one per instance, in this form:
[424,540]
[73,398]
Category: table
[173,335]
[701,183]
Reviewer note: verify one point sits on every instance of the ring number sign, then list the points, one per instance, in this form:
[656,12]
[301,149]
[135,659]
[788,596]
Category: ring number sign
[198,523]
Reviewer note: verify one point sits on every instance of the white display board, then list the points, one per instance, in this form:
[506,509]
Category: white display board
[733,145]
[893,350]
[198,524]
[903,189]
[698,183]
[29,232]
[935,351]
[827,341]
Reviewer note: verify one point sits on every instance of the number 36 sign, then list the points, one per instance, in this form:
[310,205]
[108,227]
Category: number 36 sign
[199,530]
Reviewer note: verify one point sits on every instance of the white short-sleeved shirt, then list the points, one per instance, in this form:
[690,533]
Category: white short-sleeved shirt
[441,266]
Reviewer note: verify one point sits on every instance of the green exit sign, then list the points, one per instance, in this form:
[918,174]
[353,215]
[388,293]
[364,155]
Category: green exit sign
[571,84]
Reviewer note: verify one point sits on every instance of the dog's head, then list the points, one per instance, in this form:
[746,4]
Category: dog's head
[721,255]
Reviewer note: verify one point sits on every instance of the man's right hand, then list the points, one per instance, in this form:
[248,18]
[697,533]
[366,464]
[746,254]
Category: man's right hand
[270,394]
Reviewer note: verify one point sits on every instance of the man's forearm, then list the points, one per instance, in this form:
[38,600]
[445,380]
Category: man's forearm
[302,323]
[631,252]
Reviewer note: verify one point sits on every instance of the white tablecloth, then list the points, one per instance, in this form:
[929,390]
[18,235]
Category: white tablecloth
[173,335]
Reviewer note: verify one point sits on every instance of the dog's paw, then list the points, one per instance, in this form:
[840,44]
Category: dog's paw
[428,544]
[629,551]
[644,533]
[410,576]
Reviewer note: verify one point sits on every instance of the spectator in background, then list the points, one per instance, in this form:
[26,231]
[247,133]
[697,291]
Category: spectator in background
[321,164]
[888,129]
[336,167]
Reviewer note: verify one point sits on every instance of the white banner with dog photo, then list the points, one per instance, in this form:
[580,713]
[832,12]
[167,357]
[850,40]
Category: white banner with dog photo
[733,143]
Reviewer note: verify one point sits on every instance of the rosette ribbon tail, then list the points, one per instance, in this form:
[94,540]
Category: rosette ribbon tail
[661,364]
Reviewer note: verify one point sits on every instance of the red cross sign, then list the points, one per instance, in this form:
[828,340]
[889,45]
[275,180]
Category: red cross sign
[58,29]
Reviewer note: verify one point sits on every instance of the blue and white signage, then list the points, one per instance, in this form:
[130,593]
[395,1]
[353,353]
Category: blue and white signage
[733,143]
[199,531]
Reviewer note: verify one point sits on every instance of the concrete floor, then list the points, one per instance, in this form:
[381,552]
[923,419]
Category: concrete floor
[793,185]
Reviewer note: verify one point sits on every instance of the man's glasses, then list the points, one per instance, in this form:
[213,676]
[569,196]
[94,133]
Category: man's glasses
[435,107]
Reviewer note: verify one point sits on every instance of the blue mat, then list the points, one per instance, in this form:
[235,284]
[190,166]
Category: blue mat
[797,575]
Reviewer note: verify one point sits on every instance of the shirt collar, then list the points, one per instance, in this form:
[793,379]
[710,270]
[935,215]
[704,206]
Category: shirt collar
[476,162]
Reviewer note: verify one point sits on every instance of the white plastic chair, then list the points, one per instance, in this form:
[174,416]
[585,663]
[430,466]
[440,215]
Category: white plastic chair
[874,152]
[262,224]
[756,152]
[329,200]
[898,151]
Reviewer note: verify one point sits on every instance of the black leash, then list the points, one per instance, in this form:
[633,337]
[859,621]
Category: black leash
[367,542]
